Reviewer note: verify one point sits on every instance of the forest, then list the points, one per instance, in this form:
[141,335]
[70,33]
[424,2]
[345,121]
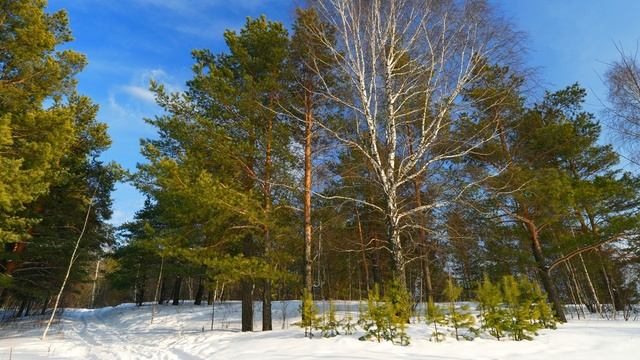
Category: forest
[396,152]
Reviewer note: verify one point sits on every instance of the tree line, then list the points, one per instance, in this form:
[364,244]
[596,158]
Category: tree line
[373,145]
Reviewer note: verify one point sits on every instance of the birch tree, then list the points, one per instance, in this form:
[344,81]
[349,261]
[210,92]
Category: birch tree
[623,81]
[405,64]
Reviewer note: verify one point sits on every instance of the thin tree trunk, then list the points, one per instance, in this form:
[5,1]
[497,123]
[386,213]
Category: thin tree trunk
[28,309]
[213,304]
[573,296]
[160,281]
[422,236]
[44,306]
[266,290]
[23,306]
[591,287]
[613,300]
[363,250]
[308,229]
[72,259]
[141,288]
[577,286]
[95,282]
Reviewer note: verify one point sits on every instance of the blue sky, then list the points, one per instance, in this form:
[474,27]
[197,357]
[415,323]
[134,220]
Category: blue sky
[129,42]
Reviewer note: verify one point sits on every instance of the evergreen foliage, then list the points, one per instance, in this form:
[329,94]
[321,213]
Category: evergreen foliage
[493,317]
[51,177]
[458,318]
[516,308]
[330,324]
[386,318]
[309,312]
[435,315]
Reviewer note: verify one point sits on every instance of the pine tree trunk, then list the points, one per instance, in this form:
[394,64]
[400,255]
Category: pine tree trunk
[246,288]
[209,297]
[176,290]
[308,240]
[140,291]
[543,272]
[163,290]
[266,307]
[199,291]
[266,292]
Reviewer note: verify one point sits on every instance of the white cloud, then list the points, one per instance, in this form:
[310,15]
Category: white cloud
[140,93]
[138,88]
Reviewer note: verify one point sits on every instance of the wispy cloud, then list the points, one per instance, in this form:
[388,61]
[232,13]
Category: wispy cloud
[140,93]
[138,88]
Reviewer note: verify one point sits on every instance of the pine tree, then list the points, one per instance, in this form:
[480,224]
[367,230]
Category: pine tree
[50,142]
[519,304]
[543,312]
[221,148]
[494,318]
[458,319]
[309,312]
[330,323]
[311,63]
[33,137]
[435,315]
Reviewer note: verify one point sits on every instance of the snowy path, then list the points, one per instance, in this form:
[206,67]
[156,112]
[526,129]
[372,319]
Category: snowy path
[125,332]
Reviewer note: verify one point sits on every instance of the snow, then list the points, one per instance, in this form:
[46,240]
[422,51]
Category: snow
[182,332]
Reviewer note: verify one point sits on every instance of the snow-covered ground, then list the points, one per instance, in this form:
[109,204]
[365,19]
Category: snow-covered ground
[183,332]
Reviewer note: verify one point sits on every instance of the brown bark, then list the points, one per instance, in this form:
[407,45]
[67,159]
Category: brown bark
[176,290]
[308,239]
[266,290]
[199,291]
[163,289]
[543,271]
[246,283]
[246,289]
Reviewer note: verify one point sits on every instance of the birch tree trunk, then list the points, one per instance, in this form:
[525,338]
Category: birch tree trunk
[72,260]
[405,64]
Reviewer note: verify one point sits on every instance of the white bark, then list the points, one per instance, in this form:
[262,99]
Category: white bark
[72,260]
[155,296]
